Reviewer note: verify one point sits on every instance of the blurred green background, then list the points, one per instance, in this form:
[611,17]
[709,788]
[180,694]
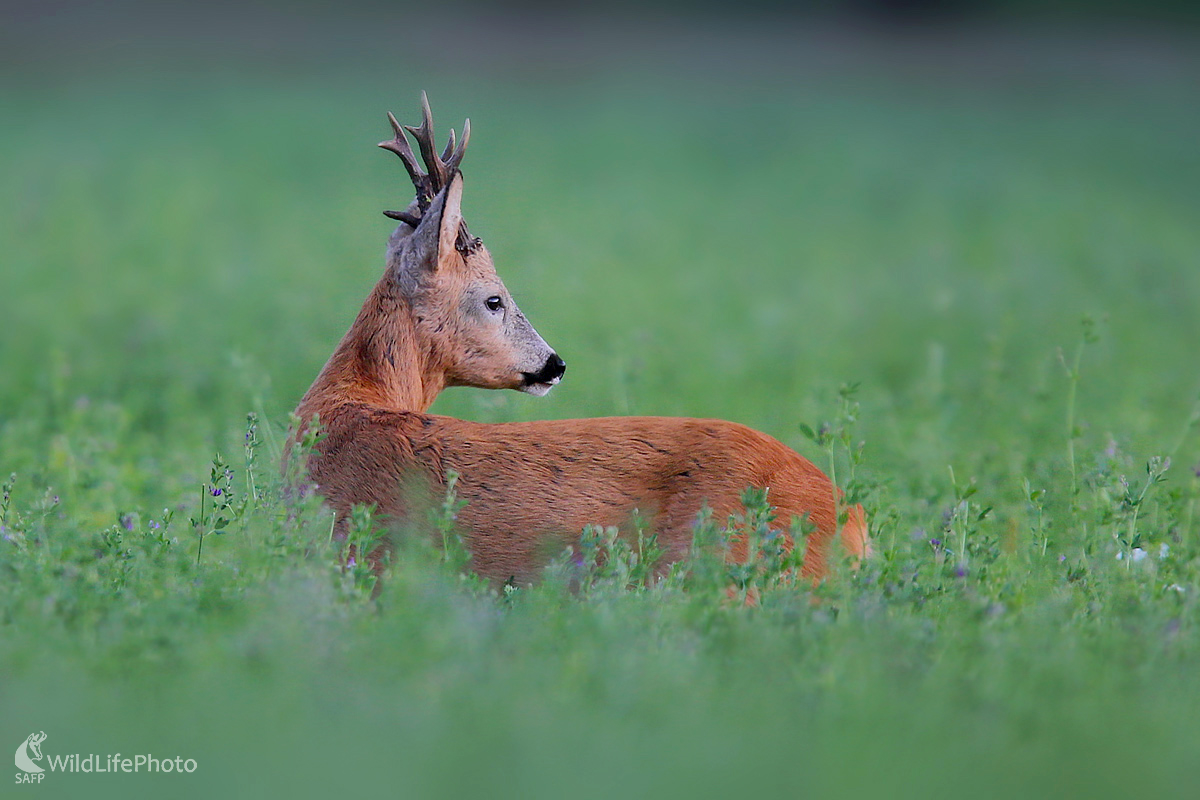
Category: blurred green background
[707,213]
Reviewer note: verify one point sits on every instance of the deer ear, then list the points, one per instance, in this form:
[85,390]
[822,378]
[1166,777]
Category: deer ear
[451,217]
[432,243]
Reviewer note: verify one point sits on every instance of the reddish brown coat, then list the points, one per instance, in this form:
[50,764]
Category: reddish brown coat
[531,487]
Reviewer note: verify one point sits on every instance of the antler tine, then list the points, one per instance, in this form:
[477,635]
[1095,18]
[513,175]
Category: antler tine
[399,145]
[449,149]
[455,160]
[403,216]
[424,137]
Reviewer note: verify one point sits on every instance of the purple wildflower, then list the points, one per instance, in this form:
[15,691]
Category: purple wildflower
[216,491]
[1062,558]
[960,571]
[127,521]
[154,524]
[1196,470]
[936,542]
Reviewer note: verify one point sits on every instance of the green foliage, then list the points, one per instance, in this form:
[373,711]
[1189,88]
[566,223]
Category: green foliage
[903,266]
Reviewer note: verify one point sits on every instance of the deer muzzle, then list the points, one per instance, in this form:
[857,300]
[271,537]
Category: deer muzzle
[540,382]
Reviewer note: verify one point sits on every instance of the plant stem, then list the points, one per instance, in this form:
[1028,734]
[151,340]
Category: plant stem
[200,546]
[1072,390]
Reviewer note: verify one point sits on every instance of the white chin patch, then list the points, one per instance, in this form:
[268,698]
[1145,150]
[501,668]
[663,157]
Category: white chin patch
[539,389]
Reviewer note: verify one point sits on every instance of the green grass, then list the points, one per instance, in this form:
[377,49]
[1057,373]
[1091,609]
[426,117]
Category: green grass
[185,248]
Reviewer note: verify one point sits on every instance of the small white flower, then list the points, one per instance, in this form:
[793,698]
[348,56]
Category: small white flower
[1175,587]
[1164,550]
[1137,554]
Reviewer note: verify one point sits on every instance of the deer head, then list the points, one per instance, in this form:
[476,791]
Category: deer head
[465,318]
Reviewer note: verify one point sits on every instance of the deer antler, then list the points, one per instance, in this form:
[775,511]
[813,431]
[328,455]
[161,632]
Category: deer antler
[438,170]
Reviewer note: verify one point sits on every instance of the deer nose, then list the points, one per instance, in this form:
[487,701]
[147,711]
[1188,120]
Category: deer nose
[551,372]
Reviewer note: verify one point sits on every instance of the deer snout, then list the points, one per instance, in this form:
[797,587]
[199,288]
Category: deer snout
[539,383]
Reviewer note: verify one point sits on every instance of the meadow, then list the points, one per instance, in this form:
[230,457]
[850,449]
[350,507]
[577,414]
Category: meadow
[975,284]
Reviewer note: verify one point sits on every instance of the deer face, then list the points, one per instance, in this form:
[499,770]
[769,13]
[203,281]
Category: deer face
[465,318]
[494,345]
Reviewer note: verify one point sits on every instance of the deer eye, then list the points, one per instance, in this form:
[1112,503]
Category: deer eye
[494,303]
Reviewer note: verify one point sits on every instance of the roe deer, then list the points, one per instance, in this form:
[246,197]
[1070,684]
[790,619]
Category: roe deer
[440,316]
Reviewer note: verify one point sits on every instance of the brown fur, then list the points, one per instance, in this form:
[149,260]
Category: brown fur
[530,487]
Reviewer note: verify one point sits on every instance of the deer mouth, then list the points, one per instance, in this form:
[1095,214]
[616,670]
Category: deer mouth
[539,388]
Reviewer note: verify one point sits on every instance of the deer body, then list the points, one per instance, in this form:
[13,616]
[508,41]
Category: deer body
[440,317]
[531,487]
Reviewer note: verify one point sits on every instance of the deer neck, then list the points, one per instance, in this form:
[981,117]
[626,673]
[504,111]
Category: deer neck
[381,361]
